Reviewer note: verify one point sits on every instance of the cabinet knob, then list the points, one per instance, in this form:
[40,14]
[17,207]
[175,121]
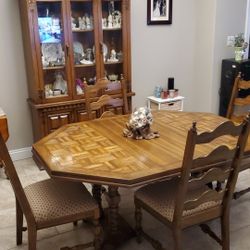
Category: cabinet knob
[54,118]
[63,116]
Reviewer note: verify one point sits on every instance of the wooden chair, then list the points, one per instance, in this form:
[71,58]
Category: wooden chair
[49,203]
[105,98]
[187,200]
[238,107]
[102,100]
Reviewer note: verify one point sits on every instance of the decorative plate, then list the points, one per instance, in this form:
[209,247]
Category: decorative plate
[78,48]
[52,51]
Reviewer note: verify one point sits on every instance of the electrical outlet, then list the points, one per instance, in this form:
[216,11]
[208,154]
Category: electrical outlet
[230,41]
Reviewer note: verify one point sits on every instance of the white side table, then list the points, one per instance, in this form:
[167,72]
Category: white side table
[175,103]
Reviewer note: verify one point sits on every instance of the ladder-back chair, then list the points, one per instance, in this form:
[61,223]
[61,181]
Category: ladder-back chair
[106,98]
[49,203]
[102,100]
[238,107]
[188,200]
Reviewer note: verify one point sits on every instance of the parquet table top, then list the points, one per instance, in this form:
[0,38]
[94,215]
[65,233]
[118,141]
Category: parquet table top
[96,151]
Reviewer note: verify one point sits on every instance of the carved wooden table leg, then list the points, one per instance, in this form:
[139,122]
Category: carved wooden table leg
[117,230]
[113,201]
[97,194]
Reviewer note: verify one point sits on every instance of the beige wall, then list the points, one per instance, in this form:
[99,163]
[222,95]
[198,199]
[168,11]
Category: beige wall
[230,20]
[159,52]
[190,50]
[13,88]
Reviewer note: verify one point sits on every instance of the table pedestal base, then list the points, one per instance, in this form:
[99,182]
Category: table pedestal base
[112,240]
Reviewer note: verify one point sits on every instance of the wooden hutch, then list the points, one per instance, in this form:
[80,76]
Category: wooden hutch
[68,43]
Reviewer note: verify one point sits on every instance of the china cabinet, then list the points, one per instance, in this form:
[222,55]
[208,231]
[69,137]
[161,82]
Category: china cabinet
[67,44]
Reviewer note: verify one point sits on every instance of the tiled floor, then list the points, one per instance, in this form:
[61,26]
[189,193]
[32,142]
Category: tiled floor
[67,235]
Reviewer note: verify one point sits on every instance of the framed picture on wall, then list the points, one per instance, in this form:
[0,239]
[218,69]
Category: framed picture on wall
[159,12]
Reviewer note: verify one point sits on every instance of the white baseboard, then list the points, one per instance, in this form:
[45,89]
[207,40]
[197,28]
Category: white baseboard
[20,154]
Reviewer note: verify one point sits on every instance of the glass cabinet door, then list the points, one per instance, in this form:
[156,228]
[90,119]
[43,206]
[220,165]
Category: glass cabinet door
[113,46]
[84,32]
[54,50]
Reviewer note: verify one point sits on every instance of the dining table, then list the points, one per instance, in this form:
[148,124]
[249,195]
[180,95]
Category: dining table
[97,152]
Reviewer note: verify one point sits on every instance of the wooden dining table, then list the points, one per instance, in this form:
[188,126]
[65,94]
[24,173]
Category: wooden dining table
[97,152]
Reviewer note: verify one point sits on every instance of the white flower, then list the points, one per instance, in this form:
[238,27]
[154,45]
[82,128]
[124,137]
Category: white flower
[140,118]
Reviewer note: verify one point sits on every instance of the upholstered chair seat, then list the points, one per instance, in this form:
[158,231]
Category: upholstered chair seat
[55,201]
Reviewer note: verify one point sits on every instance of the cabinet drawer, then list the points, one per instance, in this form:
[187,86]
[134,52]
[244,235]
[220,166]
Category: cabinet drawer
[55,121]
[176,105]
[81,115]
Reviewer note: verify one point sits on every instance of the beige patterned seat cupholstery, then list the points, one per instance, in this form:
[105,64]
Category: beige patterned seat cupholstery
[49,203]
[189,199]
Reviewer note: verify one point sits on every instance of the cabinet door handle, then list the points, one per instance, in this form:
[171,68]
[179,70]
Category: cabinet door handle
[67,50]
[101,47]
[54,118]
[63,116]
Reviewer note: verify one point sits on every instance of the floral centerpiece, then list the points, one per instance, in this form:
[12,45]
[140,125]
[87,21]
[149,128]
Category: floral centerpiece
[240,46]
[138,127]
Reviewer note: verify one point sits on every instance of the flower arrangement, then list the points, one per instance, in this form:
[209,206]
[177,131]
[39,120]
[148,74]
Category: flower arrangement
[239,45]
[140,118]
[239,41]
[138,126]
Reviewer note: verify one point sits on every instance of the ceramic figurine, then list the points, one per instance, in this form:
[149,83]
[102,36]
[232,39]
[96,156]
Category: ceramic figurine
[87,22]
[45,62]
[110,21]
[48,90]
[73,23]
[79,86]
[60,83]
[113,57]
[104,23]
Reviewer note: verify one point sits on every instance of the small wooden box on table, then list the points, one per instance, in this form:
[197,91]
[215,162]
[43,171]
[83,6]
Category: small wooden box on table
[175,103]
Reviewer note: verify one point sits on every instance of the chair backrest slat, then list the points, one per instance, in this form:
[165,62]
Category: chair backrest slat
[106,96]
[206,196]
[243,84]
[209,176]
[240,100]
[219,154]
[219,164]
[226,128]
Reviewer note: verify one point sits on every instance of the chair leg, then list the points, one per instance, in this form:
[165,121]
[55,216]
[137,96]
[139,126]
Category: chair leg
[32,235]
[225,234]
[237,195]
[97,239]
[138,223]
[19,224]
[177,238]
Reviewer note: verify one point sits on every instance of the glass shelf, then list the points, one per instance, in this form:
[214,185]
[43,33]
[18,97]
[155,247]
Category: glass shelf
[111,29]
[82,31]
[109,63]
[54,67]
[84,65]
